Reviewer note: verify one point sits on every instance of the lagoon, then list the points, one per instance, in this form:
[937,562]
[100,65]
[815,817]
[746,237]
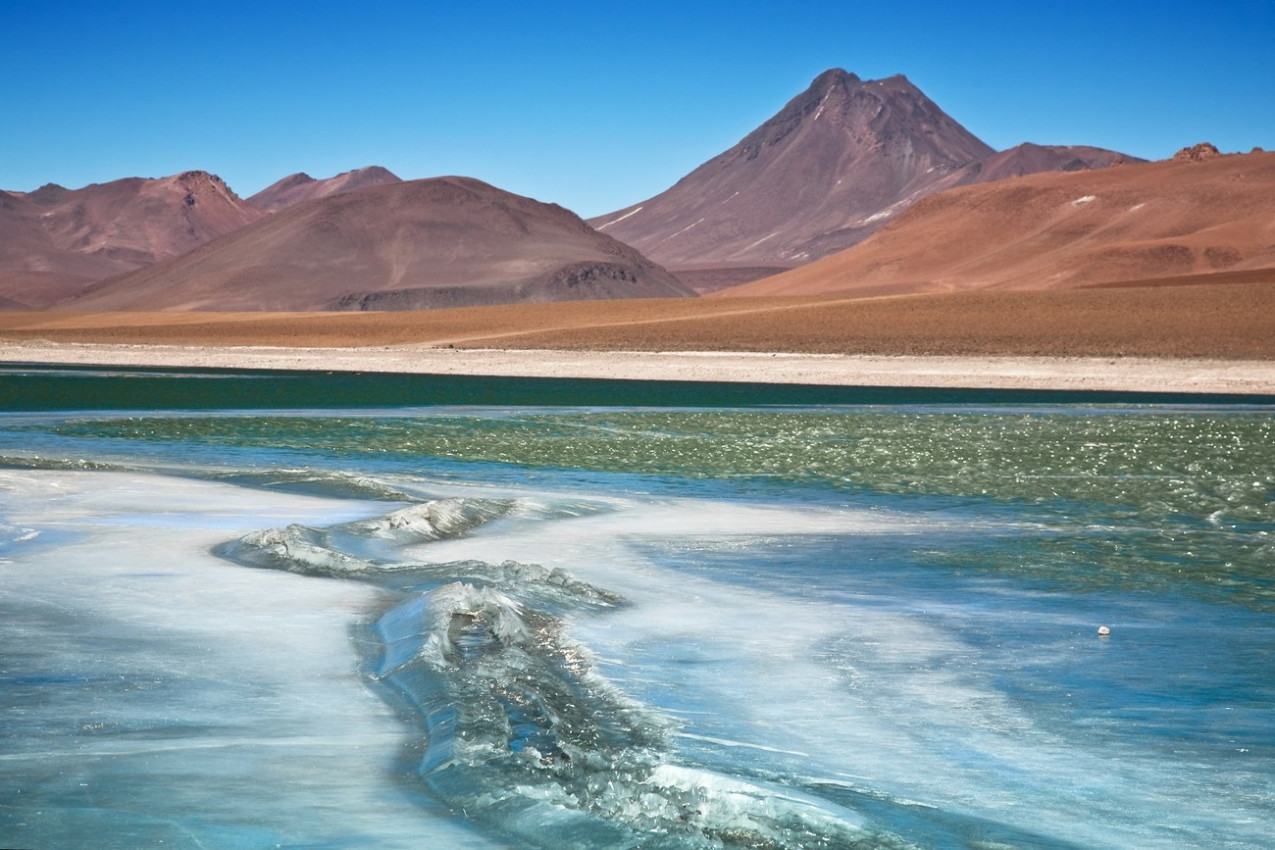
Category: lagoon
[598,620]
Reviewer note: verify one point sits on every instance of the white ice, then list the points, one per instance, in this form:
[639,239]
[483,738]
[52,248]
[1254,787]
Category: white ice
[174,699]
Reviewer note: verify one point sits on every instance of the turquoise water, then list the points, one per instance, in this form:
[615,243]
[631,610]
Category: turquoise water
[725,620]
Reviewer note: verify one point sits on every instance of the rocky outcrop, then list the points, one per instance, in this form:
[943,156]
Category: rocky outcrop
[1197,153]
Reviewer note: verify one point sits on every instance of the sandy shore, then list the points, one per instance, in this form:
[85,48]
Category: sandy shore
[1066,373]
[1216,338]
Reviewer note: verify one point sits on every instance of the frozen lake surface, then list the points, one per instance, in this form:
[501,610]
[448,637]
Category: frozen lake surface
[577,627]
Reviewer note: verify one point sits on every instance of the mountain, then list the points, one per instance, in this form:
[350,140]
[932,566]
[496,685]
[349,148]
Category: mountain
[54,241]
[833,166]
[1174,219]
[836,164]
[444,242]
[1028,158]
[818,176]
[302,187]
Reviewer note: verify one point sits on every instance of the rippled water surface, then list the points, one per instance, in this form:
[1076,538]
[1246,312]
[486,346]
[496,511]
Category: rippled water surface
[794,627]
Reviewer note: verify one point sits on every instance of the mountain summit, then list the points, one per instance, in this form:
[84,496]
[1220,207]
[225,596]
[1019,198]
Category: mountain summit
[837,163]
[299,187]
[822,174]
[55,240]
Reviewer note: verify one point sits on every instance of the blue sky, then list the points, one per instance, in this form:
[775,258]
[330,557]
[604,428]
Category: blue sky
[590,105]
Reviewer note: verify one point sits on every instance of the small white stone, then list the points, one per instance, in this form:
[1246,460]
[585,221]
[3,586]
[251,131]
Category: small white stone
[1104,631]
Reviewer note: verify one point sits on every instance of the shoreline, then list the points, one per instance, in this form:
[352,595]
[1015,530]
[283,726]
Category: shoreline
[1120,374]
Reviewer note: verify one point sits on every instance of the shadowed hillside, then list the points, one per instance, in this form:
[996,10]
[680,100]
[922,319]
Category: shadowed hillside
[443,242]
[54,241]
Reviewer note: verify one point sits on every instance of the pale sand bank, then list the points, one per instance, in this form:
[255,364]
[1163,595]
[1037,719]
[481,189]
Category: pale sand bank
[1130,374]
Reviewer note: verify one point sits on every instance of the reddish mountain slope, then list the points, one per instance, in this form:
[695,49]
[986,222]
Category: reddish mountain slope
[1058,230]
[302,187]
[821,174]
[55,240]
[444,242]
[833,166]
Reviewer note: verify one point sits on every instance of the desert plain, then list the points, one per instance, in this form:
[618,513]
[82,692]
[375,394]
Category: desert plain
[1210,333]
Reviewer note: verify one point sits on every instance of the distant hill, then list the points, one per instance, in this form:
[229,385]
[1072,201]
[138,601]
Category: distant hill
[1029,158]
[302,187]
[55,240]
[443,242]
[1198,213]
[833,166]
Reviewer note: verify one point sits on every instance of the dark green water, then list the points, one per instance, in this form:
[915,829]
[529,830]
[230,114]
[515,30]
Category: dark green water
[39,387]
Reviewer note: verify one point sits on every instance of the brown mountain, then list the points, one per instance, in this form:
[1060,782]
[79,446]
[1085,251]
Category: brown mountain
[302,187]
[1144,222]
[1029,158]
[818,176]
[54,241]
[833,166]
[450,241]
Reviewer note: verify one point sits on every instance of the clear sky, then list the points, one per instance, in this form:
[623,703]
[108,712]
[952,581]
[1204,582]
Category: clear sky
[592,105]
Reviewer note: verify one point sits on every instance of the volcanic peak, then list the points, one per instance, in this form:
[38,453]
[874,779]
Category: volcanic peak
[825,171]
[865,109]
